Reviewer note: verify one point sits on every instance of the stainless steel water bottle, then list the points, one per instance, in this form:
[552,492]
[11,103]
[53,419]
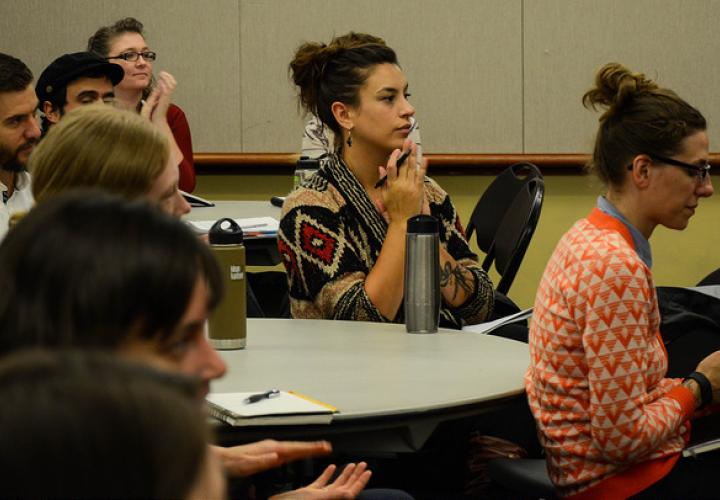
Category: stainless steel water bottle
[422,275]
[227,325]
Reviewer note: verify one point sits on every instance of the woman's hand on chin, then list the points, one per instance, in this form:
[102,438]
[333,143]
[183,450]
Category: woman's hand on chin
[403,194]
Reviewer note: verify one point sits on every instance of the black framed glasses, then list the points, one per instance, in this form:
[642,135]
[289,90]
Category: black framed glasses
[700,172]
[133,56]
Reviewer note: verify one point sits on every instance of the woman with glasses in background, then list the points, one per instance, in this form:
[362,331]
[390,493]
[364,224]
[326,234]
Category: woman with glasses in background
[124,43]
[611,422]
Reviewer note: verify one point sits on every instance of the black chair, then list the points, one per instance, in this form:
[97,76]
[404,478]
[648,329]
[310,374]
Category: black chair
[493,204]
[253,309]
[711,279]
[271,294]
[526,477]
[515,231]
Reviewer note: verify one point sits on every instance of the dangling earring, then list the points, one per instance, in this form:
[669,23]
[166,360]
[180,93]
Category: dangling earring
[349,139]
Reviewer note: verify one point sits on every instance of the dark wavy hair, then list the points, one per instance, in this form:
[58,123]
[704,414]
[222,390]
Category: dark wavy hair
[90,269]
[639,117]
[336,72]
[93,425]
[14,74]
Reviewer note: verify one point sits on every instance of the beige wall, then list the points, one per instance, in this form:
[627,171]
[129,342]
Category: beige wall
[566,40]
[487,76]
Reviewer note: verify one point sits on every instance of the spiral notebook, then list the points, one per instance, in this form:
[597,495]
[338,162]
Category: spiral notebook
[287,408]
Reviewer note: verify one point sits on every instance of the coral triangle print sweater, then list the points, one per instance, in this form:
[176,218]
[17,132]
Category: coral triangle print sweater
[610,422]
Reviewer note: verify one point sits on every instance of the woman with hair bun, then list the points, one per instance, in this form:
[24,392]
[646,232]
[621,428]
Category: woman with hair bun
[342,234]
[318,140]
[611,423]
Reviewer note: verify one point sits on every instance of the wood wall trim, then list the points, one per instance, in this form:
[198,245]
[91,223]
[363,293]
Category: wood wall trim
[245,159]
[466,163]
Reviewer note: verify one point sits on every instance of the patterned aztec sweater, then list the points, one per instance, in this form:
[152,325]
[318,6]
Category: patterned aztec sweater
[609,421]
[331,235]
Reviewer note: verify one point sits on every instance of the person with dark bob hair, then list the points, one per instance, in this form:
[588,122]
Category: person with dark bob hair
[92,425]
[612,423]
[86,269]
[342,234]
[92,270]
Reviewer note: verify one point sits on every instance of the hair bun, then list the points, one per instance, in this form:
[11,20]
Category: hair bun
[615,86]
[308,67]
[325,74]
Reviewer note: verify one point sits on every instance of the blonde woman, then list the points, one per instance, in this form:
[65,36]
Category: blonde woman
[119,151]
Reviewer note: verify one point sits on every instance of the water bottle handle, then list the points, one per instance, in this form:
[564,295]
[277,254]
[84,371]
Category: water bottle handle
[225,231]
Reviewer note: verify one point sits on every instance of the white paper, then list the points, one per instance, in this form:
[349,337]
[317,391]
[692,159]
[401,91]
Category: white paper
[489,326]
[700,448]
[265,225]
[283,404]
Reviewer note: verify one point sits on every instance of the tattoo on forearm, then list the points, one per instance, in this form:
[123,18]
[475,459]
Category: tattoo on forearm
[450,275]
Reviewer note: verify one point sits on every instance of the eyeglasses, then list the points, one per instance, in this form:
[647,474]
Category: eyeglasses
[700,172]
[133,56]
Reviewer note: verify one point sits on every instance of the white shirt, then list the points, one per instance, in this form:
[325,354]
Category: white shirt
[21,200]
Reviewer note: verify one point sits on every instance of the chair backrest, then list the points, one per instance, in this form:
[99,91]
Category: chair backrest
[270,293]
[515,231]
[494,203]
[711,279]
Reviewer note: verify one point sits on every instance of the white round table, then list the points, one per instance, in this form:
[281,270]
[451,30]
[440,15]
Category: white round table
[392,388]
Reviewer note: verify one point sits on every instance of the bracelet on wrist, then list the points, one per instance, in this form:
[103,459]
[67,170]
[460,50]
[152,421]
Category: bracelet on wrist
[706,392]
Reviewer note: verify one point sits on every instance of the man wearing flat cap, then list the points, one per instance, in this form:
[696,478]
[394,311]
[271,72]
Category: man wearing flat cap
[74,80]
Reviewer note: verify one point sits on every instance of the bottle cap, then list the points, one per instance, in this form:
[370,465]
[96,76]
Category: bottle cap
[423,224]
[305,163]
[225,232]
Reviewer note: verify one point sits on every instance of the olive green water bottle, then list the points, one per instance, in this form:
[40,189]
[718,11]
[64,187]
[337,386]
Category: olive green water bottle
[227,326]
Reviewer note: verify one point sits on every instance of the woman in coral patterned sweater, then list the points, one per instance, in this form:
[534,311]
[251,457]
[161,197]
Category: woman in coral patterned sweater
[611,424]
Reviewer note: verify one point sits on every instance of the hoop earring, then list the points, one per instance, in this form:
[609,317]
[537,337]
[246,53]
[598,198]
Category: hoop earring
[349,139]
